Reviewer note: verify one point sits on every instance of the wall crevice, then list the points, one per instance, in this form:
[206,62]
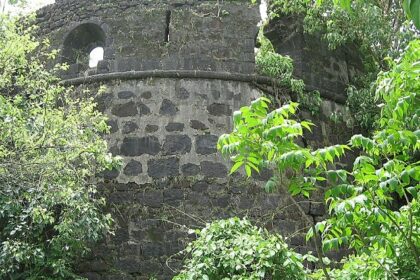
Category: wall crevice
[168,23]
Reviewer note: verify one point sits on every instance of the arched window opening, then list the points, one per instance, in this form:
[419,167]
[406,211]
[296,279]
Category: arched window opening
[84,46]
[96,55]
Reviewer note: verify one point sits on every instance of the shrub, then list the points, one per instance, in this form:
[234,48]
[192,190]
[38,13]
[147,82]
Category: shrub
[50,150]
[234,249]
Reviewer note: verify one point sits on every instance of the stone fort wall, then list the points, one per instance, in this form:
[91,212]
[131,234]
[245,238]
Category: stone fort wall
[151,34]
[174,72]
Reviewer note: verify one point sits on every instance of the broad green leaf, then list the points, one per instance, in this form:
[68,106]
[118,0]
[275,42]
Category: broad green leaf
[236,166]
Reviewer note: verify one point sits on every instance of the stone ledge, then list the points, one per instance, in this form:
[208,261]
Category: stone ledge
[188,74]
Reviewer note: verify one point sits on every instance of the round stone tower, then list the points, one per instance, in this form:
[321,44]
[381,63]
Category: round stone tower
[174,72]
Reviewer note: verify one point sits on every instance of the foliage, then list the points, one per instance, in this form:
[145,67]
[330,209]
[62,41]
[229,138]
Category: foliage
[363,106]
[374,209]
[378,28]
[262,139]
[50,150]
[311,101]
[357,267]
[377,207]
[234,249]
[412,9]
[272,64]
[280,67]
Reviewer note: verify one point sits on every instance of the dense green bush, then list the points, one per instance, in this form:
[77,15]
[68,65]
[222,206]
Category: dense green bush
[376,29]
[50,150]
[233,249]
[374,209]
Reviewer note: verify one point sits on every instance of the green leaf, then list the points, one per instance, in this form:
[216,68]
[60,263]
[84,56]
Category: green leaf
[412,8]
[271,185]
[237,117]
[248,170]
[236,166]
[406,7]
[320,226]
[414,173]
[307,125]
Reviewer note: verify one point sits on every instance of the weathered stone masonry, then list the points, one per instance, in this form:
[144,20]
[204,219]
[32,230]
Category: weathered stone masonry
[174,72]
[151,34]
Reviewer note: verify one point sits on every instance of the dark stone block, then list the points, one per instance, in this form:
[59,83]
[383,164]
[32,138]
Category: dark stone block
[229,95]
[129,248]
[121,235]
[135,146]
[215,94]
[264,175]
[183,93]
[213,169]
[91,276]
[138,235]
[143,109]
[190,169]
[298,240]
[270,202]
[151,128]
[217,109]
[160,168]
[129,127]
[125,94]
[146,95]
[125,110]
[150,64]
[150,267]
[168,108]
[198,125]
[133,168]
[173,195]
[305,206]
[222,201]
[151,198]
[98,266]
[114,150]
[317,209]
[122,197]
[174,127]
[175,235]
[110,174]
[176,144]
[198,199]
[113,126]
[128,265]
[200,186]
[103,66]
[152,250]
[245,203]
[104,101]
[156,234]
[172,248]
[117,276]
[286,227]
[206,144]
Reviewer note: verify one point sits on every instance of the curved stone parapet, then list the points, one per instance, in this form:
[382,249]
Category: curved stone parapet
[150,34]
